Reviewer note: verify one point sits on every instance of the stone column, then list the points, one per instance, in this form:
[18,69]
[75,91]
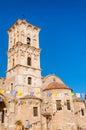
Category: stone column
[11,117]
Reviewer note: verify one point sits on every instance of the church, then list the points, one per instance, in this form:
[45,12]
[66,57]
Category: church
[29,101]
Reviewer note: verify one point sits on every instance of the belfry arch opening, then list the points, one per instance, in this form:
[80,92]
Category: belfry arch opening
[2,109]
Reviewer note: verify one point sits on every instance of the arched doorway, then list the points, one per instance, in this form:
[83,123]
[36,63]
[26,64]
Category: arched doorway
[2,109]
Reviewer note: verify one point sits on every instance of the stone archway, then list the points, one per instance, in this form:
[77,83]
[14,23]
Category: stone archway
[2,109]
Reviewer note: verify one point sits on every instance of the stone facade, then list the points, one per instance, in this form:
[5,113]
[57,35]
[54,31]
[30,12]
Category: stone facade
[29,101]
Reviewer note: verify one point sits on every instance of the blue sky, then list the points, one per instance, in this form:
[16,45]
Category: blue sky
[62,36]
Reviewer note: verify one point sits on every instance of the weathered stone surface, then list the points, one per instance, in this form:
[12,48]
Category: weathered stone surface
[41,93]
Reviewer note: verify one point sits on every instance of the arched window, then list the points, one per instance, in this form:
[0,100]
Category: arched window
[35,111]
[29,80]
[29,61]
[82,111]
[13,61]
[28,40]
[68,105]
[58,105]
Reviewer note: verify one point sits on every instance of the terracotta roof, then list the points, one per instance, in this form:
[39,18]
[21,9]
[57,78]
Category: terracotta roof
[55,85]
[30,97]
[76,99]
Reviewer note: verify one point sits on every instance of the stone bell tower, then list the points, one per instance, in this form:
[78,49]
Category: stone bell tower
[23,71]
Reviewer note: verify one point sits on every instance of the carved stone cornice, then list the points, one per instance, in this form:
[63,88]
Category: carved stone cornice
[28,25]
[27,67]
[24,47]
